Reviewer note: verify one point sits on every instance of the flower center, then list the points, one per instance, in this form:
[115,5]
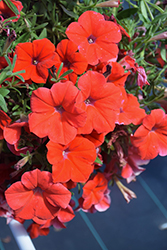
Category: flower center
[38,190]
[65,154]
[60,109]
[91,39]
[153,129]
[66,63]
[35,62]
[89,101]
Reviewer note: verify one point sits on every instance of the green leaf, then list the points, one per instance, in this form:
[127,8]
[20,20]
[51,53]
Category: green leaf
[3,104]
[67,72]
[127,13]
[20,77]
[12,6]
[155,6]
[69,13]
[143,10]
[161,16]
[163,52]
[3,74]
[59,70]
[34,19]
[15,107]
[98,160]
[33,35]
[149,11]
[9,73]
[14,62]
[53,79]
[16,90]
[43,34]
[5,22]
[8,60]
[41,26]
[4,91]
[24,38]
[16,113]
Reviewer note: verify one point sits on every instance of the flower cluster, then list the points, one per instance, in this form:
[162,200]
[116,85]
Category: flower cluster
[76,117]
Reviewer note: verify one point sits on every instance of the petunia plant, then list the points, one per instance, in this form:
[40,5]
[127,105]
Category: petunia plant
[82,104]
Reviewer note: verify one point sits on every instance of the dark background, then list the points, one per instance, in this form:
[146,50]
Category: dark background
[133,226]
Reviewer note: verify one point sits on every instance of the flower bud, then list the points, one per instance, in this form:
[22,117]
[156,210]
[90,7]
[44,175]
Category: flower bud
[159,37]
[111,3]
[22,162]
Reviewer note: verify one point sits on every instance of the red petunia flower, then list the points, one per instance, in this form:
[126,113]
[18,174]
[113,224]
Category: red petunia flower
[96,138]
[130,63]
[73,161]
[6,12]
[67,51]
[132,168]
[118,75]
[94,193]
[96,38]
[35,58]
[4,121]
[112,19]
[102,103]
[57,112]
[35,230]
[36,196]
[102,206]
[20,140]
[64,215]
[151,137]
[130,112]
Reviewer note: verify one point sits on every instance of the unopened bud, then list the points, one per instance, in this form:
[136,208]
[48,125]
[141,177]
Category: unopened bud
[112,3]
[22,162]
[159,37]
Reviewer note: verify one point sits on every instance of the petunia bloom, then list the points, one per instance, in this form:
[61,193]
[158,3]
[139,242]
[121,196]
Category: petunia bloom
[4,120]
[35,58]
[20,140]
[94,193]
[57,112]
[100,207]
[113,19]
[96,138]
[132,167]
[118,75]
[67,51]
[130,112]
[63,216]
[130,63]
[151,137]
[102,103]
[96,38]
[6,12]
[35,230]
[73,161]
[36,196]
